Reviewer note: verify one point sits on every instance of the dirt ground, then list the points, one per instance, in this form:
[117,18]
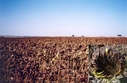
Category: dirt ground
[48,59]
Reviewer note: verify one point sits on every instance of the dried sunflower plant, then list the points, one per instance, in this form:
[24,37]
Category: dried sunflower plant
[107,63]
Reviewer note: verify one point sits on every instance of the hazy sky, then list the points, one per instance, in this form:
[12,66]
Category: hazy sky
[63,17]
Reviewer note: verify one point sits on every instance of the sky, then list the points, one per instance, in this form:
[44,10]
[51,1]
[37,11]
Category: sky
[63,17]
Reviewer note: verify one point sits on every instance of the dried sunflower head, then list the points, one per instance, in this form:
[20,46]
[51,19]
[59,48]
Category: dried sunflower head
[106,65]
